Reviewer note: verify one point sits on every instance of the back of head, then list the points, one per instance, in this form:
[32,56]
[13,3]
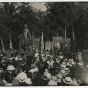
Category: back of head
[9,78]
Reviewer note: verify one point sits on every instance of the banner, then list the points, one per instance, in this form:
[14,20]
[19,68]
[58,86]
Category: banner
[36,43]
[3,48]
[73,44]
[85,56]
[57,43]
[11,47]
[79,56]
[66,45]
[48,46]
[42,43]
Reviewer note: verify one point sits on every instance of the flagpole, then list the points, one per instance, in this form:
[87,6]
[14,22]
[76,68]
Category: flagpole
[65,32]
[3,48]
[10,43]
[73,42]
[42,44]
[33,40]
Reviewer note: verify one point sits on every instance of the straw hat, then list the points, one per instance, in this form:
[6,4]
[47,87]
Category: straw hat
[52,83]
[36,54]
[64,63]
[63,72]
[63,66]
[33,65]
[36,51]
[10,67]
[67,80]
[28,81]
[48,75]
[80,63]
[59,76]
[22,77]
[54,78]
[67,70]
[34,70]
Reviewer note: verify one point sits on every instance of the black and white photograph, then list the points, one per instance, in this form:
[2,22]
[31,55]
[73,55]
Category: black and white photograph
[44,43]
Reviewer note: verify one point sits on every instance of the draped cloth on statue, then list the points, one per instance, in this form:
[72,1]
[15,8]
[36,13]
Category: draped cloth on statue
[25,38]
[25,44]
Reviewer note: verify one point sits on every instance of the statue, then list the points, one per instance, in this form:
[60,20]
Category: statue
[25,38]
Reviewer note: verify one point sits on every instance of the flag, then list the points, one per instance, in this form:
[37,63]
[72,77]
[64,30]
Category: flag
[3,48]
[73,42]
[42,43]
[33,41]
[65,32]
[10,43]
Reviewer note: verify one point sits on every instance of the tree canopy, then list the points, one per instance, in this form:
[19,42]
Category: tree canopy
[58,17]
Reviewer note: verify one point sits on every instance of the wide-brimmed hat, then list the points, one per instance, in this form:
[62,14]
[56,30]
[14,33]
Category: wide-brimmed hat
[10,67]
[47,53]
[20,58]
[36,54]
[59,76]
[64,63]
[67,70]
[54,78]
[22,77]
[48,75]
[33,65]
[63,72]
[28,81]
[80,63]
[67,80]
[34,70]
[36,51]
[3,61]
[63,66]
[52,83]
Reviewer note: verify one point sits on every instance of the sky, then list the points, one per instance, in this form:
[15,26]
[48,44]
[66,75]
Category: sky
[38,5]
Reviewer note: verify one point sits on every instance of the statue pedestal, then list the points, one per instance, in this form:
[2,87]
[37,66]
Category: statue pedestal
[29,49]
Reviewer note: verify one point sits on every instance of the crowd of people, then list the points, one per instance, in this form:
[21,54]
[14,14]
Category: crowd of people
[46,69]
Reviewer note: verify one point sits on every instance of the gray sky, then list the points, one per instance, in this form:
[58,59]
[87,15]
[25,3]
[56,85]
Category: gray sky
[38,5]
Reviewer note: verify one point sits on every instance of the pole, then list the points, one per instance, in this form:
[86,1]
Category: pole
[65,32]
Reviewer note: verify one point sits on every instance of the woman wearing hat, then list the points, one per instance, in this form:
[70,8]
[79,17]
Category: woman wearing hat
[67,81]
[10,70]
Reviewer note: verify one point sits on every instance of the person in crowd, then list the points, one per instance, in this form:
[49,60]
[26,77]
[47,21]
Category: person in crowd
[47,69]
